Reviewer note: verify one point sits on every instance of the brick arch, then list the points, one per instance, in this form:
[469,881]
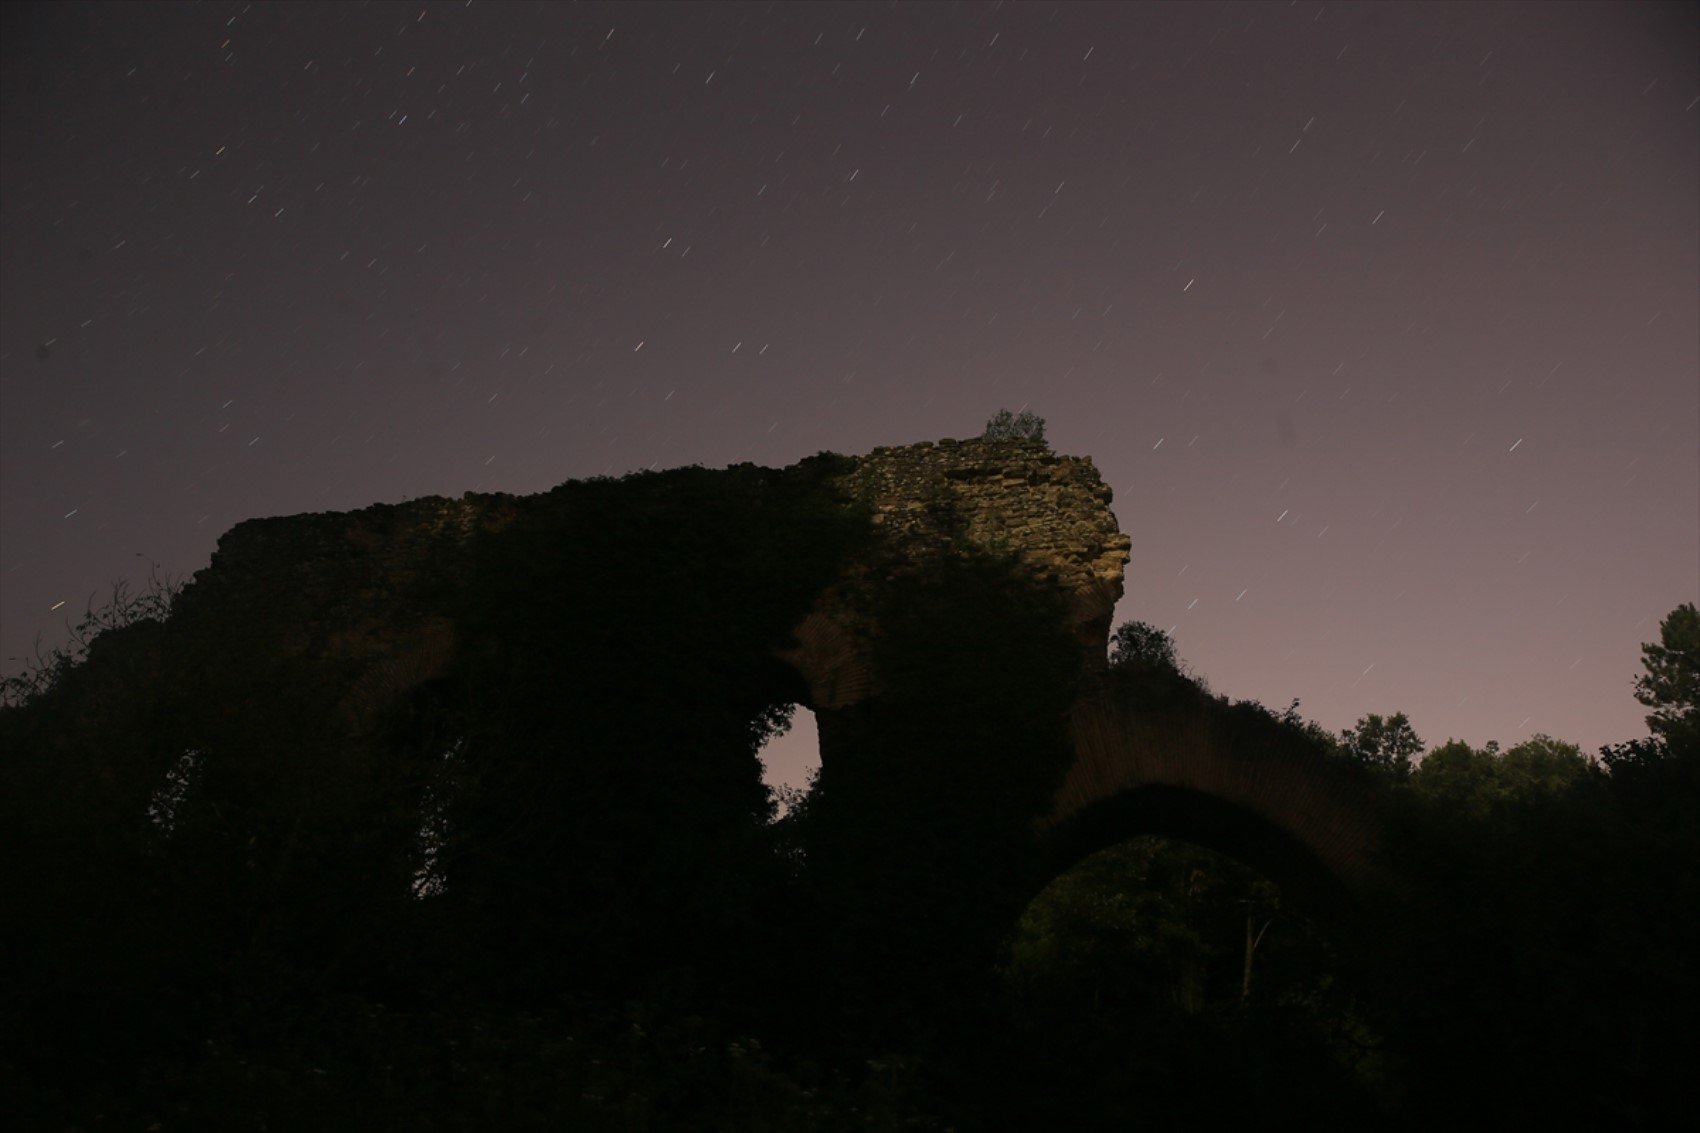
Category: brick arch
[1155,755]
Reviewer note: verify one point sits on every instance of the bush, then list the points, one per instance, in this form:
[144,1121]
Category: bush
[1023,426]
[43,672]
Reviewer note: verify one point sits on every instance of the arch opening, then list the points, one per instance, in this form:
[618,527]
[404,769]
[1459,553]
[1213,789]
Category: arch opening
[1208,822]
[1160,978]
[1154,923]
[790,760]
[167,800]
[435,823]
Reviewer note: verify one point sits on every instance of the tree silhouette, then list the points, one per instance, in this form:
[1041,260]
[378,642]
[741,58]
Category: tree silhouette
[1671,685]
[1387,745]
[1023,426]
[1139,643]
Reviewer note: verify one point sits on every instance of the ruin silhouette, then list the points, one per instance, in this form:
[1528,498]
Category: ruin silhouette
[370,604]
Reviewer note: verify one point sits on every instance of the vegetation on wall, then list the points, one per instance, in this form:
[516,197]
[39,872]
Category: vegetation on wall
[1006,426]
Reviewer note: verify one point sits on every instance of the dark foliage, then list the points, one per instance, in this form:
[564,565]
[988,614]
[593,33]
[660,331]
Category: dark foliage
[1136,643]
[1023,426]
[1387,746]
[1671,684]
[1160,983]
[126,607]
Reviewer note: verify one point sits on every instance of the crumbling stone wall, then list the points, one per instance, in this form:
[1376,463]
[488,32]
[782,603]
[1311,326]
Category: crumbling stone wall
[364,590]
[1049,512]
[369,587]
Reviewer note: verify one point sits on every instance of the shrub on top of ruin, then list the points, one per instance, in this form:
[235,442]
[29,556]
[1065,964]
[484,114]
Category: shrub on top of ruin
[1006,426]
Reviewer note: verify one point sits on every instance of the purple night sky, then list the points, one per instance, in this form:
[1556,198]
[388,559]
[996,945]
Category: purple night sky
[1382,321]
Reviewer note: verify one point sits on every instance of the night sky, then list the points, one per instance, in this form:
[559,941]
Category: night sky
[1382,321]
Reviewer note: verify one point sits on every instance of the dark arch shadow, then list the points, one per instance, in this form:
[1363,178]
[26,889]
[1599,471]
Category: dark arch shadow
[1198,818]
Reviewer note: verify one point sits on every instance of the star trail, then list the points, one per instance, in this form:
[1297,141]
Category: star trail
[1382,321]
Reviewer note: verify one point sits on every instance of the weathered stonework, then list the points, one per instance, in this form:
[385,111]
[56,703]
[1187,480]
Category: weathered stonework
[365,587]
[362,589]
[1050,513]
